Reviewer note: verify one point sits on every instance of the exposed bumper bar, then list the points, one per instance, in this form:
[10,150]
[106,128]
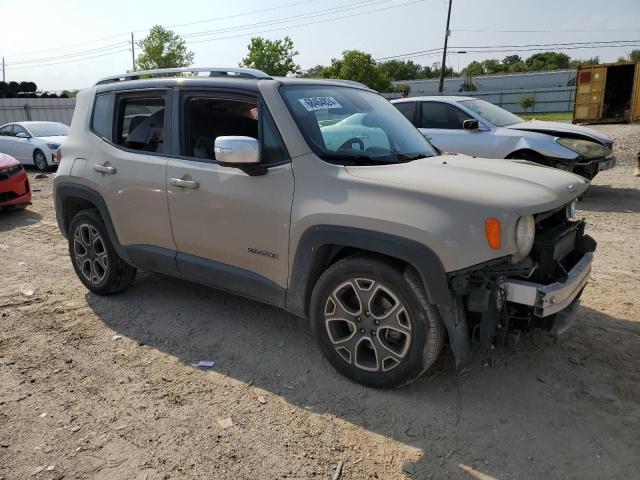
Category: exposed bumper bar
[549,299]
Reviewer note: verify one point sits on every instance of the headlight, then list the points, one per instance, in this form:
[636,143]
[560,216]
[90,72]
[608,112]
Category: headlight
[584,147]
[12,169]
[525,234]
[571,210]
[53,146]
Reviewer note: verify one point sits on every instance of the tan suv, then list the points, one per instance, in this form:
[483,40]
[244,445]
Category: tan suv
[321,198]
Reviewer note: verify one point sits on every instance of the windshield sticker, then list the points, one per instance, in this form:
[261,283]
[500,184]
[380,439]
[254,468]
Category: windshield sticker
[319,103]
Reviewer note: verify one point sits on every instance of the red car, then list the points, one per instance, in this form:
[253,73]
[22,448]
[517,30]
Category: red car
[14,184]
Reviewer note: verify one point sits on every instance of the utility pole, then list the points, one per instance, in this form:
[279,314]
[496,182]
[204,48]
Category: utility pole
[133,53]
[3,79]
[444,53]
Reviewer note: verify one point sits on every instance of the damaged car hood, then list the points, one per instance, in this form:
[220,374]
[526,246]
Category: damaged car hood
[514,185]
[558,129]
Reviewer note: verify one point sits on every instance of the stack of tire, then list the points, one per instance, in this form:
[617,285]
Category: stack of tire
[24,90]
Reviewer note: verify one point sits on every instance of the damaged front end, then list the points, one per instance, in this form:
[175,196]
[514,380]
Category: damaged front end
[502,298]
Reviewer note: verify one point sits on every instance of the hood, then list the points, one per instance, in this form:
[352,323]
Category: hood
[7,161]
[510,185]
[558,129]
[59,140]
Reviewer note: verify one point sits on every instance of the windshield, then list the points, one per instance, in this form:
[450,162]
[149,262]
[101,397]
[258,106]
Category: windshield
[492,113]
[48,129]
[353,126]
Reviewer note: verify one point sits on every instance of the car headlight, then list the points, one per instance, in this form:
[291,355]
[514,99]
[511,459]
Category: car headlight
[584,147]
[571,210]
[53,146]
[12,169]
[525,234]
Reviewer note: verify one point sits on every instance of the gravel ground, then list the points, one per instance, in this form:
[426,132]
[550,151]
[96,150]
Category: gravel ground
[104,388]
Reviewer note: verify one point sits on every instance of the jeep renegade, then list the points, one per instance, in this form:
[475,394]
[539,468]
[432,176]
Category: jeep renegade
[321,198]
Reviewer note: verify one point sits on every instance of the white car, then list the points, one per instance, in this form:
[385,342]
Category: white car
[33,143]
[481,129]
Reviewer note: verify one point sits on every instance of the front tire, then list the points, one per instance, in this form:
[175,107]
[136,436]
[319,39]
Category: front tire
[372,322]
[94,259]
[40,160]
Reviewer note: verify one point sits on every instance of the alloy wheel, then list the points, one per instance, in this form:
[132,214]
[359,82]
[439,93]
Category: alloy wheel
[368,325]
[90,253]
[40,161]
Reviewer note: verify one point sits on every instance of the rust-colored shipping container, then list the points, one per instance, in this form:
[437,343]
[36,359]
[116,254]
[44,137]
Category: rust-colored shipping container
[607,93]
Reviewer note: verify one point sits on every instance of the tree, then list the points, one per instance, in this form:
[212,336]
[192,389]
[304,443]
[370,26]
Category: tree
[634,56]
[361,67]
[547,61]
[590,61]
[400,69]
[315,72]
[274,57]
[473,69]
[163,48]
[527,101]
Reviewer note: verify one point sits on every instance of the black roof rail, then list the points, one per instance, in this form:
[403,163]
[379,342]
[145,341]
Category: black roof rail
[213,72]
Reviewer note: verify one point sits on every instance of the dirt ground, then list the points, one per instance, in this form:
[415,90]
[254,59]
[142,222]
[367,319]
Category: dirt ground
[104,388]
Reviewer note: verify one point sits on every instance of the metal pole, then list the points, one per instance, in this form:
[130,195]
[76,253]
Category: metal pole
[3,69]
[133,53]
[444,52]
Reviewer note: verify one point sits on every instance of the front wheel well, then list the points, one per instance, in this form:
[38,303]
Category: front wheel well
[328,255]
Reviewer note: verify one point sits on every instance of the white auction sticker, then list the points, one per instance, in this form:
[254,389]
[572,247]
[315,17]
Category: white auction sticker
[319,103]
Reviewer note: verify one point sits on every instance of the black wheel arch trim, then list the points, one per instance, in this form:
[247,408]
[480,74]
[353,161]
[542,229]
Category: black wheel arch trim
[67,190]
[419,256]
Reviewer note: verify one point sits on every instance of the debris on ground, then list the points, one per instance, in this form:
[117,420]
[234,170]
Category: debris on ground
[338,471]
[261,399]
[26,290]
[40,176]
[225,422]
[205,363]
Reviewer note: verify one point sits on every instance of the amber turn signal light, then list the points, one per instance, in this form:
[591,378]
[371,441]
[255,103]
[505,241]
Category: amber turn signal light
[492,230]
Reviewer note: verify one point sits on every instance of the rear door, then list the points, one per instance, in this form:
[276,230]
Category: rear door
[127,163]
[231,229]
[590,86]
[441,123]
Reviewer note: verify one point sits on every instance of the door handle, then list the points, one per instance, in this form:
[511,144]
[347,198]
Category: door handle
[178,182]
[104,169]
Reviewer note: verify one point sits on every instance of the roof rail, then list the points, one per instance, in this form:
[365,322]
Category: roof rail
[213,72]
[349,82]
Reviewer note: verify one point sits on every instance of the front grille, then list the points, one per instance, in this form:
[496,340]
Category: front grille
[6,196]
[558,246]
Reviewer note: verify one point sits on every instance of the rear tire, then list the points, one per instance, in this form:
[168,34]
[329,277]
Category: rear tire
[373,323]
[40,160]
[94,259]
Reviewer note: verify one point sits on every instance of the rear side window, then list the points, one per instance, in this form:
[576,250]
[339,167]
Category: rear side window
[141,123]
[406,109]
[6,131]
[101,120]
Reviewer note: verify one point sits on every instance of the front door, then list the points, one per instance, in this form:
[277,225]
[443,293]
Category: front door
[23,146]
[231,229]
[441,124]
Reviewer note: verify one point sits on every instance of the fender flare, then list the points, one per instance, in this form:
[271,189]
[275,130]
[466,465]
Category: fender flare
[419,256]
[66,190]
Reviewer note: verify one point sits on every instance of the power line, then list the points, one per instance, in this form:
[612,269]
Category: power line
[305,24]
[67,61]
[66,56]
[313,14]
[65,46]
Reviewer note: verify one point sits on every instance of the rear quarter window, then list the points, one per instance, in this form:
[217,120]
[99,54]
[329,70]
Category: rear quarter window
[102,117]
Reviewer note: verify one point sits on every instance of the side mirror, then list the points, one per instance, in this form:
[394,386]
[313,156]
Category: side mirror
[471,124]
[22,135]
[240,152]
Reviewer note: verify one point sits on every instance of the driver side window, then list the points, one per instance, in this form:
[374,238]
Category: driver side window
[18,129]
[6,131]
[442,115]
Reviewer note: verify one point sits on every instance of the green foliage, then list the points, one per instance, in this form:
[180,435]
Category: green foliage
[274,57]
[400,69]
[634,56]
[547,61]
[526,102]
[589,61]
[315,72]
[474,69]
[360,67]
[163,48]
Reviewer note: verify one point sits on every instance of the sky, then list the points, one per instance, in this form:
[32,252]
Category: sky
[72,44]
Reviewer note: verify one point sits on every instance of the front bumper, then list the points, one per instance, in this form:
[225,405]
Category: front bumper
[15,191]
[553,298]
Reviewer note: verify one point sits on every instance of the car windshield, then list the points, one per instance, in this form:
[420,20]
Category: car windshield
[492,113]
[48,129]
[354,126]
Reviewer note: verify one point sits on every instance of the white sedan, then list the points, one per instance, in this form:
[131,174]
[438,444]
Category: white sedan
[33,143]
[478,128]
